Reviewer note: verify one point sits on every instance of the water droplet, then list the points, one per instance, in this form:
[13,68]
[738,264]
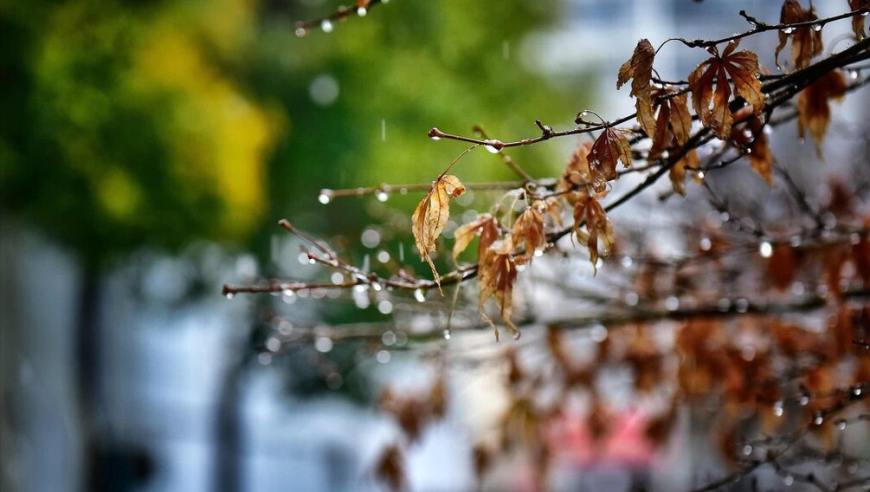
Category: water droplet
[229,295]
[370,238]
[383,356]
[817,27]
[700,174]
[377,287]
[742,305]
[420,295]
[361,11]
[819,419]
[273,344]
[447,334]
[264,358]
[539,253]
[788,480]
[841,424]
[311,260]
[323,344]
[326,25]
[777,408]
[765,249]
[706,244]
[626,261]
[856,391]
[493,146]
[747,449]
[301,32]
[388,338]
[383,256]
[804,401]
[325,196]
[672,303]
[787,30]
[632,299]
[435,134]
[382,196]
[337,277]
[598,334]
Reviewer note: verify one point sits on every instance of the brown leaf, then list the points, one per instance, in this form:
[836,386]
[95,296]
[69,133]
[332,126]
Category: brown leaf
[861,258]
[677,174]
[639,68]
[709,84]
[781,266]
[390,469]
[858,20]
[610,147]
[497,274]
[751,138]
[485,226]
[431,216]
[805,41]
[673,124]
[814,109]
[482,460]
[528,229]
[591,212]
[577,172]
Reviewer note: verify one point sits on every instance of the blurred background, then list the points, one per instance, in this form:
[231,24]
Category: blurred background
[148,149]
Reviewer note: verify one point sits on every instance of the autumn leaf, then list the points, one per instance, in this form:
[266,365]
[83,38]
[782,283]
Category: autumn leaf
[677,174]
[806,42]
[750,138]
[485,226]
[528,229]
[591,212]
[639,69]
[389,468]
[673,123]
[814,109]
[610,147]
[858,20]
[431,216]
[498,273]
[709,85]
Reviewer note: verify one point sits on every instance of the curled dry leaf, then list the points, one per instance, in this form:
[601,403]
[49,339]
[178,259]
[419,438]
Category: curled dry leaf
[639,68]
[588,210]
[390,468]
[709,85]
[673,123]
[485,226]
[577,172]
[751,139]
[858,20]
[528,230]
[677,174]
[431,216]
[609,148]
[498,274]
[805,41]
[814,109]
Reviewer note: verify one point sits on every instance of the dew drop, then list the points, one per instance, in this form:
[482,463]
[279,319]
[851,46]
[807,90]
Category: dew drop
[311,260]
[435,134]
[382,196]
[804,401]
[765,249]
[324,197]
[229,295]
[787,30]
[819,419]
[747,449]
[841,424]
[539,253]
[817,27]
[361,11]
[700,174]
[326,25]
[853,74]
[493,146]
[856,391]
[377,287]
[447,334]
[419,295]
[777,408]
[706,244]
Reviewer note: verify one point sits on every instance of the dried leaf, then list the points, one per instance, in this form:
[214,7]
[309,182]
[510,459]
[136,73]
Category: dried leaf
[858,20]
[709,84]
[805,41]
[485,226]
[390,469]
[577,172]
[750,137]
[610,147]
[431,216]
[677,174]
[498,273]
[814,109]
[781,266]
[639,69]
[528,230]
[673,124]
[591,212]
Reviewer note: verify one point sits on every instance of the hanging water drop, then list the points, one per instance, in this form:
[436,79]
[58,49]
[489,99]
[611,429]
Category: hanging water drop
[777,408]
[804,401]
[361,12]
[435,134]
[447,334]
[301,32]
[856,391]
[419,295]
[841,424]
[788,480]
[382,196]
[817,27]
[326,25]
[819,419]
[700,174]
[747,449]
[787,30]
[853,74]
[229,295]
[493,146]
[325,196]
[765,249]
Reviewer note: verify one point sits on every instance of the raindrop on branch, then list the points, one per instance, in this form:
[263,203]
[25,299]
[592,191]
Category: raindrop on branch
[382,196]
[326,25]
[765,249]
[447,334]
[493,146]
[325,196]
[419,295]
[787,30]
[361,12]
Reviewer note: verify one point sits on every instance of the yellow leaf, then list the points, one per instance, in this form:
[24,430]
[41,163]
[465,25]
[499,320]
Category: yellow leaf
[431,216]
